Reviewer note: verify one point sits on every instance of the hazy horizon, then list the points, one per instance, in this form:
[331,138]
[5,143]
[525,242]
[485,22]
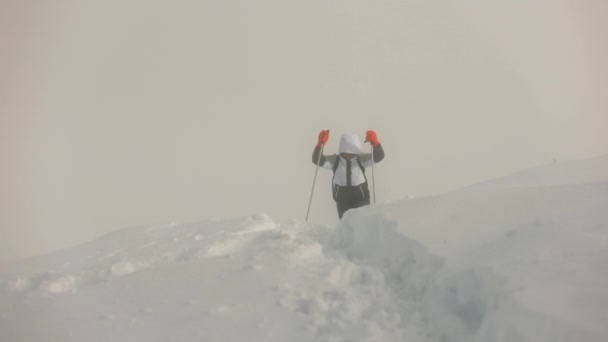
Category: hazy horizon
[123,113]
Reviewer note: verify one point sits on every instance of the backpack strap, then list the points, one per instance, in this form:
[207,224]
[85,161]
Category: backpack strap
[336,164]
[335,167]
[334,186]
[362,168]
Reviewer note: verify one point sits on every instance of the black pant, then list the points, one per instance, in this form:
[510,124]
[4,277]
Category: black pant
[349,197]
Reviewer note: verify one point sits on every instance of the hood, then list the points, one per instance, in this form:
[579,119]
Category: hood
[349,143]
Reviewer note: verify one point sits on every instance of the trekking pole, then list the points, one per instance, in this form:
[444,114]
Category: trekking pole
[373,178]
[314,180]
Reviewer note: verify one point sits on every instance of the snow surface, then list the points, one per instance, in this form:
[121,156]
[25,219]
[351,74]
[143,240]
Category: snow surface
[519,259]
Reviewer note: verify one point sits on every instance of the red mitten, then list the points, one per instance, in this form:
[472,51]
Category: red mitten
[323,137]
[371,137]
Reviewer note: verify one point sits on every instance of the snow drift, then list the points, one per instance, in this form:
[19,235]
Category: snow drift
[510,260]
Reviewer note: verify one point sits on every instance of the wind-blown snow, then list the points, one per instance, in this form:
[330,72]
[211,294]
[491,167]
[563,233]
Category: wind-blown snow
[506,261]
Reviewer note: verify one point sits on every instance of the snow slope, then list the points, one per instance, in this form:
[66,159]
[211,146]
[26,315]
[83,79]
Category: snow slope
[511,260]
[557,173]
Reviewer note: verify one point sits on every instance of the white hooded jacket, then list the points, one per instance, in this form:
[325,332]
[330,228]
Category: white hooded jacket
[349,143]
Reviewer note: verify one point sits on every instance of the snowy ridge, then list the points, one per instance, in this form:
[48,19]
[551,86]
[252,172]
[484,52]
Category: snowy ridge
[508,264]
[131,250]
[351,283]
[570,172]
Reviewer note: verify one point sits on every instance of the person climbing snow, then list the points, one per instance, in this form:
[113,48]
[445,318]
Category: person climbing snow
[350,187]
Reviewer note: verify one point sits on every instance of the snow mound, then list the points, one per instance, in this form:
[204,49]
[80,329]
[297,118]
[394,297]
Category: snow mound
[375,284]
[125,267]
[62,284]
[19,284]
[358,291]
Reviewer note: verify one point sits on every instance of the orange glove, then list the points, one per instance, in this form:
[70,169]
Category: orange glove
[323,137]
[371,137]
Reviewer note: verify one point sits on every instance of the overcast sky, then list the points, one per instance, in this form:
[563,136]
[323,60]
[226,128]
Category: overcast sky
[129,112]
